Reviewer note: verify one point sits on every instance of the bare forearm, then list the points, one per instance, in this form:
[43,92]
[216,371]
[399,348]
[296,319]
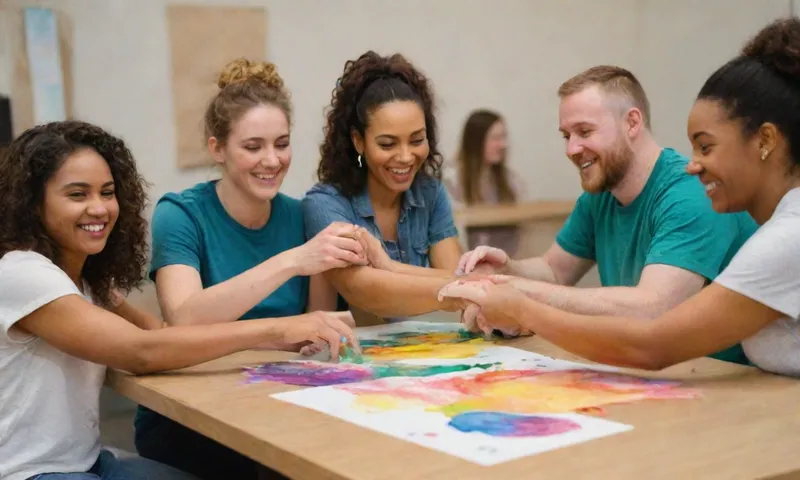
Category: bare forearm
[627,301]
[182,346]
[138,317]
[229,300]
[532,268]
[389,294]
[619,341]
[398,267]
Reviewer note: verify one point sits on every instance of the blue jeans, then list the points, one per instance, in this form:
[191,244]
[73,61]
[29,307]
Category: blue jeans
[109,467]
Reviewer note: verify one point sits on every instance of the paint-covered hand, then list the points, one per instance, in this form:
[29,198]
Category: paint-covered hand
[373,248]
[335,247]
[500,304]
[314,348]
[319,328]
[489,259]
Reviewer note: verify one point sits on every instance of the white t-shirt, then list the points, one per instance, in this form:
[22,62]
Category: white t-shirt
[767,269]
[48,399]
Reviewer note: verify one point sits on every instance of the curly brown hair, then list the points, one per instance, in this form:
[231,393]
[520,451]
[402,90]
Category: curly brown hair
[32,159]
[367,83]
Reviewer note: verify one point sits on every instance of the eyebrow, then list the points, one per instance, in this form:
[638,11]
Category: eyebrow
[576,125]
[84,185]
[261,139]
[699,134]
[416,132]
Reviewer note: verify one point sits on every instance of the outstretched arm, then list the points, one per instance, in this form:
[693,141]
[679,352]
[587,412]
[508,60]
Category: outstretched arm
[661,287]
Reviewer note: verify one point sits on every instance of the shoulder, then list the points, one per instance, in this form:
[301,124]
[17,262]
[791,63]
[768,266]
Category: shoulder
[323,196]
[30,273]
[191,201]
[287,205]
[24,258]
[429,188]
[324,189]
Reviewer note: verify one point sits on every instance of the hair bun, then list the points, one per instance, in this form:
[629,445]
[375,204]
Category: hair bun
[242,70]
[778,47]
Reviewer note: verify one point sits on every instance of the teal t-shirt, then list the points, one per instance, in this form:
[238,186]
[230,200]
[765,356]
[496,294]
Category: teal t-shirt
[192,228]
[671,222]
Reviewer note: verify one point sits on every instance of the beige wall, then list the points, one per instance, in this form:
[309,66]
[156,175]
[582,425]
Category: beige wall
[509,55]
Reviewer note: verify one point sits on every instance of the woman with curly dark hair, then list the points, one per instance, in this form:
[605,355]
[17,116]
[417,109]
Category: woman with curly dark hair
[380,169]
[72,243]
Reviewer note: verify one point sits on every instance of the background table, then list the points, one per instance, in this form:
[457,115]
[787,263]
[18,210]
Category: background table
[746,425]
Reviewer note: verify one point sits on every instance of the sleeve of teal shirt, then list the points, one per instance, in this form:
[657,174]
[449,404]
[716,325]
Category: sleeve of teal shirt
[321,208]
[688,233]
[176,240]
[442,224]
[577,235]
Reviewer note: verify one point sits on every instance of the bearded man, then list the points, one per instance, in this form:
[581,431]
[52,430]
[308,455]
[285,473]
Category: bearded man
[643,220]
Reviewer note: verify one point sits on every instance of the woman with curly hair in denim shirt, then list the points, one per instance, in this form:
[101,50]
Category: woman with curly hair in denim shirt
[380,169]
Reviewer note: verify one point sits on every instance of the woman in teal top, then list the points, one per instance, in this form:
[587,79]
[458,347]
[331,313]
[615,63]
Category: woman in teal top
[235,249]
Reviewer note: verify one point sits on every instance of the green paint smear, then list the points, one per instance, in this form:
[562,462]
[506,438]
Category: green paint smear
[406,370]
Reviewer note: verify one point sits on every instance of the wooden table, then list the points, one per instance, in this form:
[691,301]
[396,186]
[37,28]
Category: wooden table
[747,425]
[514,214]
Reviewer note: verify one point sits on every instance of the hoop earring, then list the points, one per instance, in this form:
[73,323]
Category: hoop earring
[359,161]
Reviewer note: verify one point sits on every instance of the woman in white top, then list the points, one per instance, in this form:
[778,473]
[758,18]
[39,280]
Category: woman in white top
[745,132]
[72,237]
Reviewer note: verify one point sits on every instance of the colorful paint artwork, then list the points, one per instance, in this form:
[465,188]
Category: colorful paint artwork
[530,391]
[493,416]
[314,374]
[405,345]
[447,389]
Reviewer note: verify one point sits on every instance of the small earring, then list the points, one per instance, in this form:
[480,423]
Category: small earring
[359,161]
[764,154]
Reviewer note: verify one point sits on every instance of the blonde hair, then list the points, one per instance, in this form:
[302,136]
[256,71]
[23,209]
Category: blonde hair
[244,84]
[613,80]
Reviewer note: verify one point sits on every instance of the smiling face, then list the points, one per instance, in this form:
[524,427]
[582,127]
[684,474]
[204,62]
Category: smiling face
[395,145]
[256,155]
[595,139]
[496,143]
[725,161]
[80,207]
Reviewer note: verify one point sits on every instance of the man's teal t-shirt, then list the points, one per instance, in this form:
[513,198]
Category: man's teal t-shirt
[671,222]
[192,228]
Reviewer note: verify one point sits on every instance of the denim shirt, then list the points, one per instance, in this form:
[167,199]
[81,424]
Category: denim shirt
[426,217]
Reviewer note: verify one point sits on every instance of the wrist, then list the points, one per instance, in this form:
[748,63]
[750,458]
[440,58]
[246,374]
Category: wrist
[508,268]
[287,263]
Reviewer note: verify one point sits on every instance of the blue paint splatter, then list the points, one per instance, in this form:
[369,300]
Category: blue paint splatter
[500,424]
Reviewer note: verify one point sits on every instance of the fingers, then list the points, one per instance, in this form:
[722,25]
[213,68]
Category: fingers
[342,331]
[469,316]
[346,317]
[347,249]
[462,263]
[483,324]
[474,292]
[500,279]
[477,255]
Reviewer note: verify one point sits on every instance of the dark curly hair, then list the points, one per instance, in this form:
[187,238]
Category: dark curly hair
[366,84]
[762,84]
[31,160]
